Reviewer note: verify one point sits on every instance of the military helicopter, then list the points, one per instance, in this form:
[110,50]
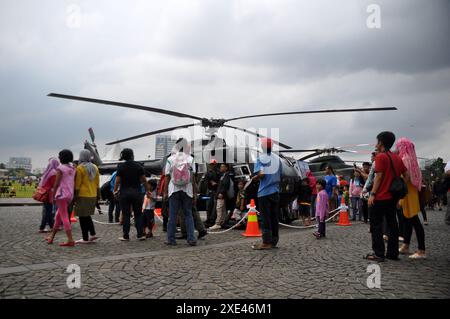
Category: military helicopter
[240,158]
[320,159]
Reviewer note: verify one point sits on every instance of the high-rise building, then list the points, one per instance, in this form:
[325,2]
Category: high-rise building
[19,163]
[163,145]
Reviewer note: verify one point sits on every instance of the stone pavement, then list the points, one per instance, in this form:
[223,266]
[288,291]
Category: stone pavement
[221,266]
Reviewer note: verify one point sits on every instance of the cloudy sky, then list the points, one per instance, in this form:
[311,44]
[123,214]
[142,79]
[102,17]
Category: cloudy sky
[222,58]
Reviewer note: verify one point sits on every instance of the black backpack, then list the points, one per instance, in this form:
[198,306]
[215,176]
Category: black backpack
[398,188]
[105,191]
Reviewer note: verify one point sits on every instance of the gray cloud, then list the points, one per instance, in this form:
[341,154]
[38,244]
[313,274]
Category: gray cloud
[221,59]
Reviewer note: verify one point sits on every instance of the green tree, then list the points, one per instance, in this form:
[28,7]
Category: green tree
[437,168]
[2,166]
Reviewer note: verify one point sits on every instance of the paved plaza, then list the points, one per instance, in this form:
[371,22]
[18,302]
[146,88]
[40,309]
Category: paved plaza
[221,266]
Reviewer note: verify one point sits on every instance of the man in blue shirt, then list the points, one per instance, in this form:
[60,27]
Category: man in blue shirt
[331,188]
[268,172]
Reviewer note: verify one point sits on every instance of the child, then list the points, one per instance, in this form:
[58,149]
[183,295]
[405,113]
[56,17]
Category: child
[321,208]
[346,195]
[240,209]
[356,187]
[148,210]
[304,202]
[63,191]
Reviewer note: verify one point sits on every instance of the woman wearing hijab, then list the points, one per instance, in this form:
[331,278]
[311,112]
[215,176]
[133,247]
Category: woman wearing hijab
[87,191]
[47,181]
[410,204]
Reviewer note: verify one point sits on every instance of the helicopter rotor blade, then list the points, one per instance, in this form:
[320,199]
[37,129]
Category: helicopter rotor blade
[151,133]
[356,152]
[372,109]
[298,151]
[92,135]
[258,135]
[355,145]
[126,105]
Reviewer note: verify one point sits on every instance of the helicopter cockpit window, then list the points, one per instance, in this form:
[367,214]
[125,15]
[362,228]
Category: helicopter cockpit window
[201,168]
[245,170]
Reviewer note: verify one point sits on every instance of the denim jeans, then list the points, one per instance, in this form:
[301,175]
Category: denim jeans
[269,209]
[131,199]
[198,223]
[47,216]
[180,200]
[114,205]
[356,207]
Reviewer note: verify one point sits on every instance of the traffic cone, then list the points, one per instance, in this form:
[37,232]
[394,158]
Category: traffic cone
[343,214]
[73,219]
[252,222]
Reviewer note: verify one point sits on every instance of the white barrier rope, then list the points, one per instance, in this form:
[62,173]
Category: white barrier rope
[103,223]
[227,230]
[337,210]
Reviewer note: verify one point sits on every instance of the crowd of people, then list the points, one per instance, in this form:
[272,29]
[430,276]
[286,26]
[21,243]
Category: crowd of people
[370,192]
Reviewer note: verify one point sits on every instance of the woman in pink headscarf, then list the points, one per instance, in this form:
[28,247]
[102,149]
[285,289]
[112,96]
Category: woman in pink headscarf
[47,180]
[410,204]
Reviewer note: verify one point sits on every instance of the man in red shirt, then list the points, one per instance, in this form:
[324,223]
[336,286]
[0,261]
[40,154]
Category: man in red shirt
[381,202]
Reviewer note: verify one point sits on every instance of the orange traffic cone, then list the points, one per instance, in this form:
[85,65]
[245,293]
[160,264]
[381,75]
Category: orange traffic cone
[252,222]
[343,214]
[73,219]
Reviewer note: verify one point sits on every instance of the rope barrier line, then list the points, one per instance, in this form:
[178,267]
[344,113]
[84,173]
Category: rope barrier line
[159,218]
[337,210]
[227,230]
[103,223]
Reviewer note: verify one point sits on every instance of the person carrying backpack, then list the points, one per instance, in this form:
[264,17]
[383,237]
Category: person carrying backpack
[225,192]
[384,197]
[181,190]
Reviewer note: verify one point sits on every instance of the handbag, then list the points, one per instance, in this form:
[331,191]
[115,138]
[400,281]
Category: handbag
[41,194]
[398,188]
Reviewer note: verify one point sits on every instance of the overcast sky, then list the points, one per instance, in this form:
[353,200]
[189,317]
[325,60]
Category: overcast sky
[222,58]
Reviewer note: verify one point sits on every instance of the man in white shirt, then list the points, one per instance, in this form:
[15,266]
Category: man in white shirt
[180,189]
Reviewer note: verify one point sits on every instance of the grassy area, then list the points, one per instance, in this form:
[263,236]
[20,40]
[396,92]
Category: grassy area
[23,191]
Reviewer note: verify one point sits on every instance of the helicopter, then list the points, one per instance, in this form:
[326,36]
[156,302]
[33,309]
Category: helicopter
[320,159]
[240,158]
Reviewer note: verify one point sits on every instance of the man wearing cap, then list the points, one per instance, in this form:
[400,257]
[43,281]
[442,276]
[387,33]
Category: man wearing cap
[268,171]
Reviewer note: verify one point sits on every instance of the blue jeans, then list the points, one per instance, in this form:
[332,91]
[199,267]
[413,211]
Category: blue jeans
[47,216]
[180,201]
[356,207]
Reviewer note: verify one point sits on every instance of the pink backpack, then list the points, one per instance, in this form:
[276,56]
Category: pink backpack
[181,170]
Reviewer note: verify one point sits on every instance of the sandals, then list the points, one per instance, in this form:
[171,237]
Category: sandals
[67,244]
[262,246]
[403,251]
[373,257]
[418,256]
[49,241]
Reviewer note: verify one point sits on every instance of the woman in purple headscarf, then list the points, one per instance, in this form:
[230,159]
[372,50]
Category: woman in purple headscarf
[47,180]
